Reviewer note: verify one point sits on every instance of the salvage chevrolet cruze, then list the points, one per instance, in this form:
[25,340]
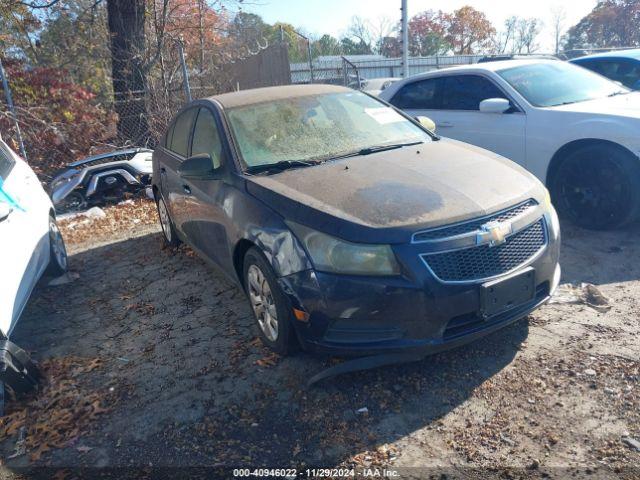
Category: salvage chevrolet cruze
[352,228]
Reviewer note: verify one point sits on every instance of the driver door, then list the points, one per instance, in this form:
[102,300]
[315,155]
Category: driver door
[202,211]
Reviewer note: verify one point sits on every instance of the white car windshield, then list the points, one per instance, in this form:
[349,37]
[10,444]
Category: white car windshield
[558,83]
[317,127]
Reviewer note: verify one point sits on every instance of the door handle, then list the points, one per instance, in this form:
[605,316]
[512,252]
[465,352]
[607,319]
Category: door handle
[444,125]
[187,189]
[163,170]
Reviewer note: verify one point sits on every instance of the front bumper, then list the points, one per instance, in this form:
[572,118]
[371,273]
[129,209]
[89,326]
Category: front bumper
[412,313]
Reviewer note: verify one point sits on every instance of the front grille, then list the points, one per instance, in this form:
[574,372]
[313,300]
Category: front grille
[483,261]
[473,225]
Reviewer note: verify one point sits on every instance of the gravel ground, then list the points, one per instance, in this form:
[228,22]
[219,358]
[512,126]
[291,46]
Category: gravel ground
[168,346]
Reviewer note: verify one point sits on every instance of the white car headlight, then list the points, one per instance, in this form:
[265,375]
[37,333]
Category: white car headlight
[330,254]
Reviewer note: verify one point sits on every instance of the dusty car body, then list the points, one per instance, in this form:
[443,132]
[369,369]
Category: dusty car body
[413,246]
[101,178]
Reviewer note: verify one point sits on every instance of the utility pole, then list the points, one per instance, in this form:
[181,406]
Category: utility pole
[405,39]
[185,72]
[7,93]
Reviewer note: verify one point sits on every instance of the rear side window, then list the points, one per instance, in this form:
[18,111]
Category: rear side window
[465,92]
[182,131]
[206,138]
[417,95]
[6,163]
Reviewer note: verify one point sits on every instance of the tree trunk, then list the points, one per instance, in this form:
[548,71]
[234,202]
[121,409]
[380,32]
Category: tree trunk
[126,19]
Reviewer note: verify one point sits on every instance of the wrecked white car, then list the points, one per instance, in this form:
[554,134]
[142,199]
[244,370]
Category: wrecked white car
[100,179]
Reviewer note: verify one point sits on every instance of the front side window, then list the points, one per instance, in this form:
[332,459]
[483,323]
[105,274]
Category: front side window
[317,127]
[206,138]
[465,92]
[420,95]
[558,83]
[182,131]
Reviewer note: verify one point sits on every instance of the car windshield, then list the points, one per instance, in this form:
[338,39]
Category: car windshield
[317,127]
[558,83]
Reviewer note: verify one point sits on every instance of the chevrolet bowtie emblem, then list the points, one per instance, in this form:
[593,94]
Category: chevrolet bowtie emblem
[493,233]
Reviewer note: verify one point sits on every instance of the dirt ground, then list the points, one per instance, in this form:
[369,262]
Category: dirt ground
[168,347]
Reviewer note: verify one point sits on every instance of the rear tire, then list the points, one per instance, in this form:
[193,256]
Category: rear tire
[270,306]
[597,187]
[57,251]
[168,231]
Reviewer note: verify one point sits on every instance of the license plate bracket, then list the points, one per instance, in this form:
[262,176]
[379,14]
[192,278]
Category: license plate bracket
[501,295]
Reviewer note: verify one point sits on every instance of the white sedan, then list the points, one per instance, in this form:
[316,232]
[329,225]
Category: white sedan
[576,131]
[30,242]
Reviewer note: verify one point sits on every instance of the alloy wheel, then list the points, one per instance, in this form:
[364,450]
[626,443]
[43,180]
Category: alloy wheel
[262,302]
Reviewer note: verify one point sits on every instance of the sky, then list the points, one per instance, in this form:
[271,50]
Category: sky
[333,16]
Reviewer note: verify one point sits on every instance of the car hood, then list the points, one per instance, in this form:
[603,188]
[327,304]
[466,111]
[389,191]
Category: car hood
[621,105]
[387,196]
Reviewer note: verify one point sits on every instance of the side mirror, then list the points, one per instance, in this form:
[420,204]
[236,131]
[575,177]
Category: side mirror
[427,123]
[198,167]
[495,105]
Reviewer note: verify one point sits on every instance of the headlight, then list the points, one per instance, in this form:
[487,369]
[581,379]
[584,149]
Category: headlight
[551,214]
[330,254]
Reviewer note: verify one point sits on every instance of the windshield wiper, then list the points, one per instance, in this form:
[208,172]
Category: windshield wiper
[375,149]
[280,166]
[619,92]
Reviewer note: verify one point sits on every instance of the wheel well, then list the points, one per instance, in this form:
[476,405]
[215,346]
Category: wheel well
[576,145]
[238,256]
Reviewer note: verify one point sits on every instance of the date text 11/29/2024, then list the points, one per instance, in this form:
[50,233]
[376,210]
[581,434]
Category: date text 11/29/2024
[293,473]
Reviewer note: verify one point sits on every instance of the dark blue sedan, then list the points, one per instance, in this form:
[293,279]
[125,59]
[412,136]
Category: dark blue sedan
[620,66]
[351,227]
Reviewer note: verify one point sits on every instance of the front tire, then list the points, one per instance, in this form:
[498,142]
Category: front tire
[57,251]
[271,309]
[597,187]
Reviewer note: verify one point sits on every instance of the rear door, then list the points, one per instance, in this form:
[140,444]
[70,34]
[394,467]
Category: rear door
[204,212]
[176,150]
[24,241]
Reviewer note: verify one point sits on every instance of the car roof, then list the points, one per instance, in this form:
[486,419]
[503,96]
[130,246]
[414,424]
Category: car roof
[481,67]
[267,94]
[631,53]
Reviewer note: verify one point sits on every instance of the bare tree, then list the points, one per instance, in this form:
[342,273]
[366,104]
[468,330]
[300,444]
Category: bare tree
[504,39]
[558,18]
[526,35]
[126,22]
